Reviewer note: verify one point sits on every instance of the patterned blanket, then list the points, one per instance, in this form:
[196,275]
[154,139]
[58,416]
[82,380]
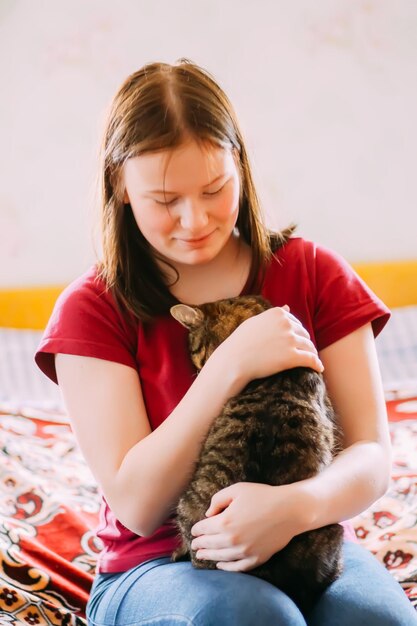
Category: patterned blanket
[49,508]
[48,512]
[389,527]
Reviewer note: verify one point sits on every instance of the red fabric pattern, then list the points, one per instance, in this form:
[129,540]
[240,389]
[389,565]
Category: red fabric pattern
[389,527]
[48,512]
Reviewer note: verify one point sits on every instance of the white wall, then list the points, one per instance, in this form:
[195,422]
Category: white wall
[326,92]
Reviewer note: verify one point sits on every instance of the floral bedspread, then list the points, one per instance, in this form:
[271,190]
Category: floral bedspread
[389,527]
[48,512]
[49,508]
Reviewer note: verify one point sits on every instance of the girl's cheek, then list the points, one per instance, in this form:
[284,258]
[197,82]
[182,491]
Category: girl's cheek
[149,220]
[234,205]
[229,204]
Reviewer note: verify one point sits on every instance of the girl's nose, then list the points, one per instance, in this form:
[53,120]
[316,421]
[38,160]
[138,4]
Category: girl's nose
[193,216]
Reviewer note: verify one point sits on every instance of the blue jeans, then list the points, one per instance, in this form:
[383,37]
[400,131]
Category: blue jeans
[161,593]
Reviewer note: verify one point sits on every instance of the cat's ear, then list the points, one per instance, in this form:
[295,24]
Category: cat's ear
[188,316]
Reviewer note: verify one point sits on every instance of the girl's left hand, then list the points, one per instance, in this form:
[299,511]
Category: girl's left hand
[247,523]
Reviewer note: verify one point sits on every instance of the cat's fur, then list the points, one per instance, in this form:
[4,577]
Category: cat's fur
[277,430]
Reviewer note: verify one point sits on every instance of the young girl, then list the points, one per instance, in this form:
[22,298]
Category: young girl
[181,223]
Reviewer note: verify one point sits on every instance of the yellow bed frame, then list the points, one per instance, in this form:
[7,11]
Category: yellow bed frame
[394,282]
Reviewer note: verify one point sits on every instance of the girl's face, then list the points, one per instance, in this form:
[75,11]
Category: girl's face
[185,201]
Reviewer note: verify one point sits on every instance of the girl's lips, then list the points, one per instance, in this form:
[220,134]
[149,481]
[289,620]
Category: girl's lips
[195,239]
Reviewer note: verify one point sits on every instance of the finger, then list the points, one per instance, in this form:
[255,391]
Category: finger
[209,542]
[209,526]
[200,529]
[305,344]
[297,325]
[225,554]
[292,317]
[220,501]
[244,565]
[299,329]
[309,359]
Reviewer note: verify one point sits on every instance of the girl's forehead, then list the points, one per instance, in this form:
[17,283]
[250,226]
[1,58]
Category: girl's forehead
[189,161]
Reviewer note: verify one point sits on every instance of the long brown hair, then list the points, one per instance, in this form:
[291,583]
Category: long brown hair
[156,108]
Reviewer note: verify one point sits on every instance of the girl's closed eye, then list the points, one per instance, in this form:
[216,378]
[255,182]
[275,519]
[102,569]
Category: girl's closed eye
[165,202]
[214,193]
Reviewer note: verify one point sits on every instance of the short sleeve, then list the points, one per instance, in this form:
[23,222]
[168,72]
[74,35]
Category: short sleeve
[87,322]
[342,300]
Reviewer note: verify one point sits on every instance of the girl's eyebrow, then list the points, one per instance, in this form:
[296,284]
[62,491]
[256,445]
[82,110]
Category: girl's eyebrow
[166,192]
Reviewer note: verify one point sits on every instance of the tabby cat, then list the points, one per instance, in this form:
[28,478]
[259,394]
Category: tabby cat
[277,430]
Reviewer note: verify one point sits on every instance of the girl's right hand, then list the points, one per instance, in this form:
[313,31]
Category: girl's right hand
[270,342]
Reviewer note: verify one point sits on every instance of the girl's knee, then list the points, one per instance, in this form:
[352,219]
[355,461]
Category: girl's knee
[365,609]
[366,617]
[260,607]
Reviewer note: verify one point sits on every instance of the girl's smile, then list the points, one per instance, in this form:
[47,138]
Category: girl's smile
[196,240]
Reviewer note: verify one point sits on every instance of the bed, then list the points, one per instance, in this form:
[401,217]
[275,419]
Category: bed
[49,501]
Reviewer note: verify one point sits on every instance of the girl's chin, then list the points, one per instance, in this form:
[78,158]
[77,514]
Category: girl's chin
[179,258]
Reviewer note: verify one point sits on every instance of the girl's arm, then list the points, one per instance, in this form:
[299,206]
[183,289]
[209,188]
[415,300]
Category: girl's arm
[142,473]
[248,522]
[359,475]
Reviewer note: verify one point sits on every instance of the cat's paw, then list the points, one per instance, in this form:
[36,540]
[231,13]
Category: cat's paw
[180,554]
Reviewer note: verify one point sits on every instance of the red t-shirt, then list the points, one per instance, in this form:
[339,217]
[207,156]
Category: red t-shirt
[321,289]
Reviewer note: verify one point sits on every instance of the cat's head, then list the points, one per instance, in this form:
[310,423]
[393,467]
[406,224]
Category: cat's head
[210,324]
